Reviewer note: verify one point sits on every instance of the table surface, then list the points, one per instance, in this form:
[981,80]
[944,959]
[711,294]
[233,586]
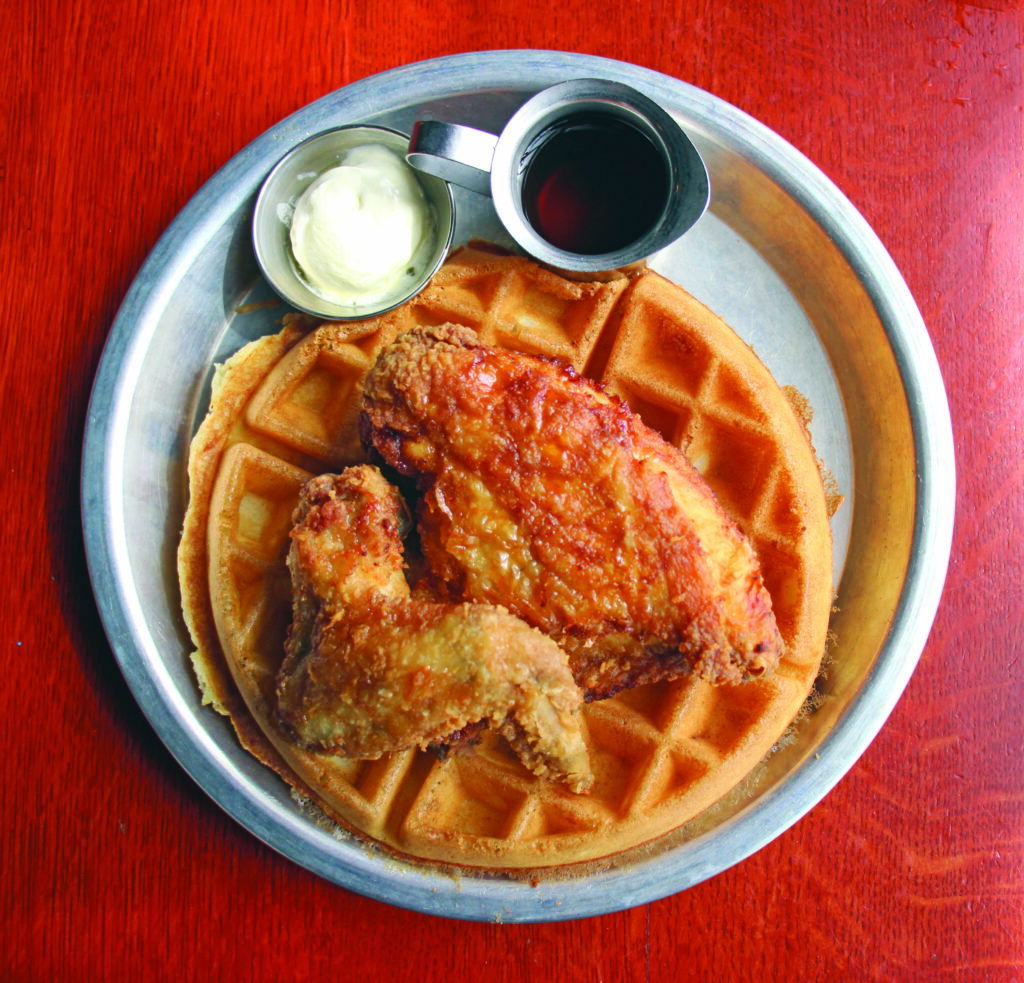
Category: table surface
[116,866]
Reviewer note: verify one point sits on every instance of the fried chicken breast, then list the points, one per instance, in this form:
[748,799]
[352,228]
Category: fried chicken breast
[371,669]
[541,492]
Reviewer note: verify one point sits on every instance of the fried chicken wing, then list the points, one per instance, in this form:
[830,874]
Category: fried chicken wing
[543,493]
[370,668]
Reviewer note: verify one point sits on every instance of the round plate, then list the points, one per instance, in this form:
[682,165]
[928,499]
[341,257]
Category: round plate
[781,255]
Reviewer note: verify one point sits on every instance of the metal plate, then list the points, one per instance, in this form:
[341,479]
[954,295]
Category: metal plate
[781,255]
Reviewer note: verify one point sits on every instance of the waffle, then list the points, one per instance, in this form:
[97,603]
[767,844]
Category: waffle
[286,408]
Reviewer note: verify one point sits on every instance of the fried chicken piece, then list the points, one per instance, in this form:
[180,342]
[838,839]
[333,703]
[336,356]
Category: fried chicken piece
[371,669]
[543,493]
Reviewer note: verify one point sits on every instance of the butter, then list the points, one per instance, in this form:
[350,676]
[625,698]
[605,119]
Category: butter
[362,229]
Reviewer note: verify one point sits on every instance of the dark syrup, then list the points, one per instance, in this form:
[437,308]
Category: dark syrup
[594,185]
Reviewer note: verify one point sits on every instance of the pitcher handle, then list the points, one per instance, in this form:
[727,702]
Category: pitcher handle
[459,154]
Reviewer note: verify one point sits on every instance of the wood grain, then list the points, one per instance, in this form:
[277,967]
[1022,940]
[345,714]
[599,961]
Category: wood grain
[116,866]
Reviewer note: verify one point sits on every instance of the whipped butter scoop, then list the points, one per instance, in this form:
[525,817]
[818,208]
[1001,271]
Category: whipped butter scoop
[344,229]
[362,227]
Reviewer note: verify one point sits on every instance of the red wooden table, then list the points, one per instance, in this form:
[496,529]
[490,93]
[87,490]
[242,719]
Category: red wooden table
[114,865]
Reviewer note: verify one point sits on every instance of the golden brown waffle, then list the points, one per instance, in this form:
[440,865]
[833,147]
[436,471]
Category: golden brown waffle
[287,407]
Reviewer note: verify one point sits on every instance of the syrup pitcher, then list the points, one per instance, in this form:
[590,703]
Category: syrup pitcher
[587,175]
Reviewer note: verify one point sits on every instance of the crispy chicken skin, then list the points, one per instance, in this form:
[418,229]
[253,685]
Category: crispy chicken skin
[543,493]
[371,669]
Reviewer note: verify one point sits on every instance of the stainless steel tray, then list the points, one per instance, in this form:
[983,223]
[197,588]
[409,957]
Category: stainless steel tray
[781,254]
